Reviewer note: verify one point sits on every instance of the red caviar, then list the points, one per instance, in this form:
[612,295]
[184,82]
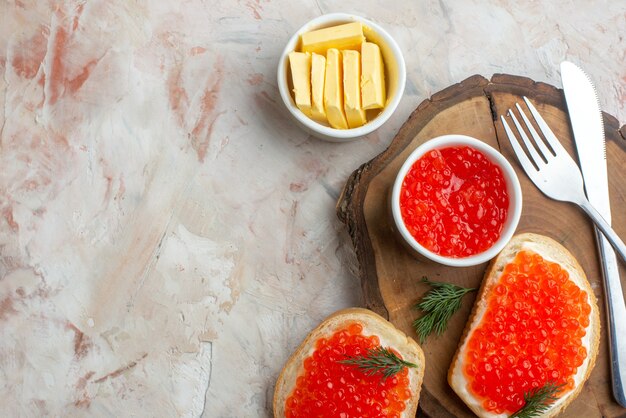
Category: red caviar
[531,334]
[328,388]
[454,201]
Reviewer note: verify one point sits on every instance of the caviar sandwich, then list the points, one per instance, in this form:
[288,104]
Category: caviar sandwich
[354,364]
[533,335]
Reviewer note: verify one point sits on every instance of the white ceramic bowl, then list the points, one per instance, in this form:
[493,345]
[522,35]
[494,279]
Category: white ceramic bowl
[513,189]
[395,77]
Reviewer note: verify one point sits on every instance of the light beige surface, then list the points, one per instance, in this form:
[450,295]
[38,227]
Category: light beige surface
[167,233]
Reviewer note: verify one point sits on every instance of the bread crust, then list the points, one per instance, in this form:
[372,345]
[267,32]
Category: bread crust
[373,324]
[547,248]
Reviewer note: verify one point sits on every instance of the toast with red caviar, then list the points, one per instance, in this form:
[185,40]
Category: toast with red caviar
[327,375]
[535,325]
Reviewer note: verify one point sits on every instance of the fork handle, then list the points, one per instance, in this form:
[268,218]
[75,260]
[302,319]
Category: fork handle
[606,229]
[616,312]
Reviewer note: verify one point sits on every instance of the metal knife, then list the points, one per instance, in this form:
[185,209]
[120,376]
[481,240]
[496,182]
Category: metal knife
[586,120]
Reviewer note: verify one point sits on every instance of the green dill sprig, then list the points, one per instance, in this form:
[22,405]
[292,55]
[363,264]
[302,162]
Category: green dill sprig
[439,303]
[538,400]
[379,360]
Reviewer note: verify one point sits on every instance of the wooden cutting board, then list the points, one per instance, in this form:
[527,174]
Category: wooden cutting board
[390,277]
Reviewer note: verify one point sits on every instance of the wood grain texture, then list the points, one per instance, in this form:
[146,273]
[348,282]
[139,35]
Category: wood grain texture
[390,277]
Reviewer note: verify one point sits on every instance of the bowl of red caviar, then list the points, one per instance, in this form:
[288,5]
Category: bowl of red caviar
[456,201]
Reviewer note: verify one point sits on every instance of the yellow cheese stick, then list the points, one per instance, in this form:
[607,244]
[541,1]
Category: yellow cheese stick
[372,77]
[300,64]
[318,73]
[346,36]
[351,88]
[333,90]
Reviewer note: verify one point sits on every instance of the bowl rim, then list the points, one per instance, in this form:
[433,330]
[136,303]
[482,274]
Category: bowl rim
[513,187]
[329,133]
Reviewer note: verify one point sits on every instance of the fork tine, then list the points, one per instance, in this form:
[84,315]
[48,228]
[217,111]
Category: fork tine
[543,149]
[523,159]
[534,155]
[545,129]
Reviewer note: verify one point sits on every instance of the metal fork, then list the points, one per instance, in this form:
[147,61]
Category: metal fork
[553,171]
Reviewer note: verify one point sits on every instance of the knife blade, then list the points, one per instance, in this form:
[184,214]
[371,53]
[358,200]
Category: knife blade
[586,121]
[588,128]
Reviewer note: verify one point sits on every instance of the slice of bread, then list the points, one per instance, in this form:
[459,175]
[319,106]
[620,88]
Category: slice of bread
[551,251]
[373,324]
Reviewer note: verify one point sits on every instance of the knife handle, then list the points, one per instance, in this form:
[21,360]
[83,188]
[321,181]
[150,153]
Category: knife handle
[616,315]
[606,229]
